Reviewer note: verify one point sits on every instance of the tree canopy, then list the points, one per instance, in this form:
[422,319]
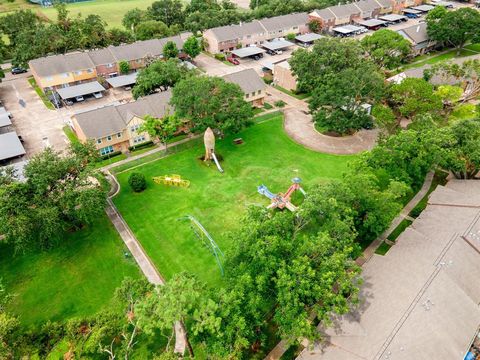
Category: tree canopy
[211,102]
[60,193]
[387,48]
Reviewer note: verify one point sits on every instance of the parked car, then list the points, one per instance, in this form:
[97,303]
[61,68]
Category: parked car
[18,70]
[79,98]
[271,52]
[233,61]
[411,16]
[69,102]
[20,138]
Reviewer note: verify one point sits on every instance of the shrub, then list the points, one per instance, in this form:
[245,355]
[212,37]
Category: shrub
[137,182]
[267,81]
[108,156]
[124,67]
[267,106]
[279,103]
[220,57]
[290,37]
[141,146]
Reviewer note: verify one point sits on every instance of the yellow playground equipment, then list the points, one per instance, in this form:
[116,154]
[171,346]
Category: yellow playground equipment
[173,180]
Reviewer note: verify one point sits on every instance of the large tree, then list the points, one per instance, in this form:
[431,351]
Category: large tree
[169,12]
[192,47]
[415,96]
[211,102]
[460,148]
[387,48]
[61,193]
[132,18]
[150,29]
[159,75]
[163,129]
[170,50]
[454,28]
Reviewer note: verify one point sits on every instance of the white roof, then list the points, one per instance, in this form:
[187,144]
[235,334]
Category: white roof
[247,51]
[423,8]
[80,90]
[276,44]
[310,37]
[347,29]
[5,120]
[371,22]
[123,80]
[10,146]
[392,17]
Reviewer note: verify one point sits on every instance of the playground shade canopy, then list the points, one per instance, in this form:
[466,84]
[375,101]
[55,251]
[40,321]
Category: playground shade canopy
[247,51]
[276,44]
[10,146]
[123,80]
[5,120]
[347,29]
[393,18]
[308,38]
[80,90]
[371,23]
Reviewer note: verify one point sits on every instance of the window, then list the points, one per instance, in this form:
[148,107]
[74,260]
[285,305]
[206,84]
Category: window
[78,72]
[139,139]
[247,95]
[106,150]
[90,71]
[99,141]
[119,135]
[109,65]
[253,93]
[259,92]
[109,138]
[66,75]
[295,28]
[135,128]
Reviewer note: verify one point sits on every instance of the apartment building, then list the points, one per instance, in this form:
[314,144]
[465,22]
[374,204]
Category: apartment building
[227,38]
[58,71]
[251,84]
[116,127]
[358,10]
[417,35]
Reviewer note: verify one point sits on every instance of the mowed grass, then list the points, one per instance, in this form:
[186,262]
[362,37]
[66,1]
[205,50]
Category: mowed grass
[112,11]
[78,278]
[217,200]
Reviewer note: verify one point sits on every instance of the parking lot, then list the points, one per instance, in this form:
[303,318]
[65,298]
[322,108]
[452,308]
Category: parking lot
[38,126]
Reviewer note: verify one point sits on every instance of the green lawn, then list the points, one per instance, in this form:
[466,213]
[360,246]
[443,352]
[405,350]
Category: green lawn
[399,229]
[217,200]
[77,278]
[382,249]
[111,11]
[433,59]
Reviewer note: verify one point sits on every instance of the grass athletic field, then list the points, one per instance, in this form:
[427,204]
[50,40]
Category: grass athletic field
[77,278]
[217,200]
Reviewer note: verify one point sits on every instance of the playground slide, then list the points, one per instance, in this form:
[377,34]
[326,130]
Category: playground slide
[263,190]
[290,206]
[216,162]
[302,191]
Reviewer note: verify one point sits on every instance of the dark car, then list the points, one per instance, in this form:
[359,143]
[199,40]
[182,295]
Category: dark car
[17,70]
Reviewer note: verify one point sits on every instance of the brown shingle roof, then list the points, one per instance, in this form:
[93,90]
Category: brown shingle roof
[248,80]
[112,119]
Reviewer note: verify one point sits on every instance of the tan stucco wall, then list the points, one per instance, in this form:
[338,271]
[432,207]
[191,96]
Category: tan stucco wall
[283,77]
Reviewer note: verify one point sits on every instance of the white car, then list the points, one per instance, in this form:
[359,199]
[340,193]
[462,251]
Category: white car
[79,98]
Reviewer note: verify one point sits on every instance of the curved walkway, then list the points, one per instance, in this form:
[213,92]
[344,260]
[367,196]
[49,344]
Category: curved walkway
[300,128]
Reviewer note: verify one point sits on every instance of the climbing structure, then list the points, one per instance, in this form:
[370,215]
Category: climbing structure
[202,234]
[172,180]
[282,201]
[209,141]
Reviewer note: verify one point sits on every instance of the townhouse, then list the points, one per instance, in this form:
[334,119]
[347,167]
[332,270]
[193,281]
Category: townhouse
[356,11]
[59,71]
[417,35]
[227,38]
[251,84]
[116,127]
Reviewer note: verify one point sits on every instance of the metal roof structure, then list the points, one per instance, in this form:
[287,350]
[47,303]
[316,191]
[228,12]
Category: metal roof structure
[423,8]
[347,29]
[307,38]
[123,80]
[392,17]
[411,11]
[80,90]
[276,44]
[247,51]
[371,23]
[5,120]
[10,146]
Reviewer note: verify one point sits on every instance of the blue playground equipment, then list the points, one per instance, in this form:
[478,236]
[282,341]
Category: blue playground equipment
[202,234]
[280,200]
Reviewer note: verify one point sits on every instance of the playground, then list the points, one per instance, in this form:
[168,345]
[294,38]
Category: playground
[217,200]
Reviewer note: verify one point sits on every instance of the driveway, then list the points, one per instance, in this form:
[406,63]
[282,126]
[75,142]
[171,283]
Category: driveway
[300,128]
[38,125]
